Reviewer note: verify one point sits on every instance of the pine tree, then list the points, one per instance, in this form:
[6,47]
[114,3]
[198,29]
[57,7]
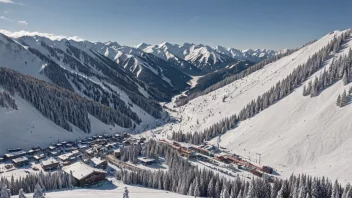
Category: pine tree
[38,192]
[21,194]
[252,190]
[343,99]
[196,188]
[345,78]
[4,192]
[338,102]
[336,190]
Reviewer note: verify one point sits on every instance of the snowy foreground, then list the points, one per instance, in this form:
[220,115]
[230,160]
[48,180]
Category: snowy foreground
[113,190]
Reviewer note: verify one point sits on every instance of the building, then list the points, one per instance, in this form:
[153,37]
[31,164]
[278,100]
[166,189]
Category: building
[20,161]
[50,164]
[15,154]
[84,174]
[117,153]
[39,157]
[98,163]
[146,161]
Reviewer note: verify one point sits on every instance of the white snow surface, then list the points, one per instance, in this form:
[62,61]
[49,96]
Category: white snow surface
[116,189]
[297,134]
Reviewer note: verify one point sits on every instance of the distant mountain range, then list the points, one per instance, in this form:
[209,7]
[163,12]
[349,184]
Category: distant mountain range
[165,69]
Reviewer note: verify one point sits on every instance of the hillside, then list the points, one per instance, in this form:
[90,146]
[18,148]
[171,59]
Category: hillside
[295,134]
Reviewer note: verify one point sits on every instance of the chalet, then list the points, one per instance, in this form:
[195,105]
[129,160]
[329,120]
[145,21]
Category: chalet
[202,151]
[111,145]
[126,135]
[20,161]
[267,169]
[52,147]
[54,153]
[84,174]
[89,152]
[50,164]
[39,157]
[98,163]
[14,150]
[69,156]
[146,161]
[15,154]
[118,137]
[2,160]
[117,153]
[187,153]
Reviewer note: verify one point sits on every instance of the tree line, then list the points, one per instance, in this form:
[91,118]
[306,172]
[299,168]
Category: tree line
[7,101]
[60,105]
[35,183]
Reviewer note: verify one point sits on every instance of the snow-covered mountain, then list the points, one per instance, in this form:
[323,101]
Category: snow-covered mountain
[294,134]
[204,57]
[73,66]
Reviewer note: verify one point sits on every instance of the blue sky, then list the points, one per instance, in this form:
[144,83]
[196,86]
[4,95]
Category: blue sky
[274,24]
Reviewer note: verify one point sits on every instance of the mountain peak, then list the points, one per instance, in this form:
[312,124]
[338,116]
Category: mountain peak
[142,46]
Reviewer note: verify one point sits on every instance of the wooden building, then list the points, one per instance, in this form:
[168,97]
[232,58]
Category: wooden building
[98,163]
[84,174]
[146,161]
[50,164]
[15,154]
[20,161]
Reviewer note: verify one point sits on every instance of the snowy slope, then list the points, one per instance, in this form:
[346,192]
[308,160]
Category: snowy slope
[301,134]
[19,56]
[297,134]
[116,189]
[210,108]
[27,127]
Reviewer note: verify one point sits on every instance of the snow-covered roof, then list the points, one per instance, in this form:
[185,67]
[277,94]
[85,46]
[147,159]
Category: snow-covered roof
[65,156]
[96,161]
[49,162]
[145,159]
[13,154]
[81,170]
[20,159]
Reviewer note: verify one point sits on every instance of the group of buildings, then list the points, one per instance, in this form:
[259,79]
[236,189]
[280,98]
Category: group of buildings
[84,159]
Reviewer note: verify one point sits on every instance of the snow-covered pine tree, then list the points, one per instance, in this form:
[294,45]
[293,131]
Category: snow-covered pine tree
[196,188]
[21,194]
[338,101]
[343,98]
[38,192]
[345,78]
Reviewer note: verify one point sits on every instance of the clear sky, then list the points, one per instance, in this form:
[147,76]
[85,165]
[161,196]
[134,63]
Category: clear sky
[273,24]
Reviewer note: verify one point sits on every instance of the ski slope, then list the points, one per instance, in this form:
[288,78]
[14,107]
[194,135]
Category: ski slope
[300,134]
[210,108]
[297,134]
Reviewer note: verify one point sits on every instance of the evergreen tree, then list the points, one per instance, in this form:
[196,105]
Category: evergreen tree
[21,194]
[38,192]
[338,102]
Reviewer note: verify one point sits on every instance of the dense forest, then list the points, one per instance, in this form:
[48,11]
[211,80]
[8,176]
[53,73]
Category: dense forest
[60,105]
